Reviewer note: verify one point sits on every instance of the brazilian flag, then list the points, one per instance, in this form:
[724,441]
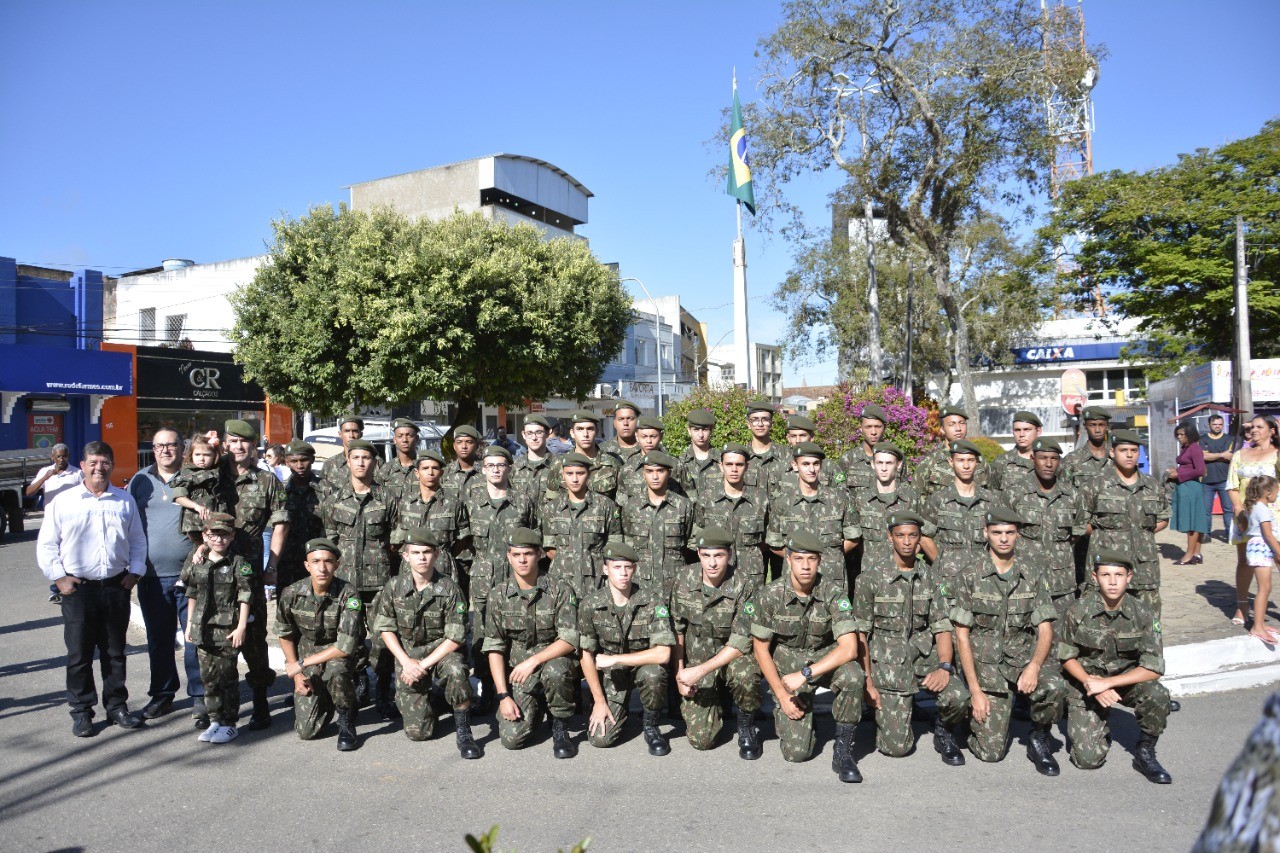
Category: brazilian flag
[739,165]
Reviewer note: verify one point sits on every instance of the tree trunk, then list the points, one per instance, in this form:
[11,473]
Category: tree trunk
[941,269]
[468,411]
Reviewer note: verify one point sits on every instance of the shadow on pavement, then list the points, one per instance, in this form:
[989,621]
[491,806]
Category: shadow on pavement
[43,702]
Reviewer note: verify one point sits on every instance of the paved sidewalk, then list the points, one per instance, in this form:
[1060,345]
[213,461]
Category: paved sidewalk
[1199,600]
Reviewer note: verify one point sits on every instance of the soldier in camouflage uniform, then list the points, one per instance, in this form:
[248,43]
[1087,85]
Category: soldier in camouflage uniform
[531,640]
[1110,647]
[713,644]
[804,636]
[302,502]
[934,471]
[734,506]
[576,524]
[822,511]
[463,472]
[659,525]
[631,484]
[698,467]
[624,447]
[1013,465]
[604,472]
[321,624]
[768,461]
[398,476]
[422,618]
[219,591]
[1093,457]
[887,494]
[334,473]
[1004,632]
[799,429]
[958,514]
[1048,506]
[626,637]
[855,463]
[440,511]
[905,637]
[532,470]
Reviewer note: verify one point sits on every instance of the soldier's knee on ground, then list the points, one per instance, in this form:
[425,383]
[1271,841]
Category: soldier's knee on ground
[1088,756]
[613,731]
[515,735]
[894,736]
[796,739]
[311,715]
[701,719]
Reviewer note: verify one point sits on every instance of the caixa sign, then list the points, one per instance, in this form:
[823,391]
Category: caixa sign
[1052,353]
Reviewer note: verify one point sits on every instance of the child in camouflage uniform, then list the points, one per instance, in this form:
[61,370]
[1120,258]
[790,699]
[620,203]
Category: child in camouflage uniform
[198,487]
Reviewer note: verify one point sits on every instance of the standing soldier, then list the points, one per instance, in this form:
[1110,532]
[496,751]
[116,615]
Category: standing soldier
[532,470]
[334,473]
[934,471]
[631,486]
[887,494]
[699,463]
[730,504]
[768,461]
[321,625]
[602,476]
[713,644]
[626,639]
[302,502]
[824,512]
[799,429]
[422,618]
[803,627]
[1047,503]
[1110,647]
[1011,465]
[399,474]
[460,474]
[623,447]
[531,639]
[576,525]
[1003,621]
[958,514]
[855,464]
[905,637]
[659,525]
[440,511]
[1092,457]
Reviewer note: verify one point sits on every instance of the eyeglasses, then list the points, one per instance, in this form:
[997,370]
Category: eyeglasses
[495,466]
[166,446]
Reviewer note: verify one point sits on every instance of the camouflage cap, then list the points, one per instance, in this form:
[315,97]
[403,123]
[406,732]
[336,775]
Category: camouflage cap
[582,416]
[657,457]
[495,450]
[537,420]
[700,418]
[903,516]
[361,444]
[421,536]
[574,460]
[1003,515]
[759,406]
[433,455]
[1095,413]
[964,445]
[298,447]
[808,448]
[715,537]
[1046,445]
[627,404]
[467,430]
[1126,436]
[322,544]
[1112,557]
[400,423]
[950,411]
[241,429]
[1025,417]
[351,419]
[887,447]
[736,447]
[617,550]
[650,422]
[523,537]
[874,412]
[219,521]
[801,422]
[803,541]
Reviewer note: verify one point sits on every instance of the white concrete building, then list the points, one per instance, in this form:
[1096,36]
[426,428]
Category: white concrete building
[723,372]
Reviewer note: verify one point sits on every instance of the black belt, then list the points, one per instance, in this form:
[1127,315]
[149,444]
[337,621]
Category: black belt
[114,580]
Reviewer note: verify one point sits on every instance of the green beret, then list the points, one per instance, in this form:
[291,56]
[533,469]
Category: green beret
[1093,413]
[1048,445]
[801,422]
[1112,557]
[467,430]
[405,422]
[240,428]
[887,447]
[808,448]
[1003,515]
[759,406]
[803,541]
[495,450]
[700,418]
[619,550]
[627,404]
[657,457]
[735,447]
[352,419]
[219,521]
[964,445]
[433,455]
[903,516]
[650,422]
[948,411]
[575,460]
[874,412]
[361,444]
[298,447]
[1025,417]
[1126,436]
[582,416]
[538,420]
[422,536]
[322,544]
[523,537]
[715,537]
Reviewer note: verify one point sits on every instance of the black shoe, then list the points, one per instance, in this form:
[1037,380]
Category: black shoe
[467,746]
[122,718]
[944,743]
[347,740]
[1174,706]
[657,741]
[842,761]
[200,712]
[748,737]
[386,703]
[157,708]
[1146,763]
[82,725]
[1040,751]
[562,746]
[261,718]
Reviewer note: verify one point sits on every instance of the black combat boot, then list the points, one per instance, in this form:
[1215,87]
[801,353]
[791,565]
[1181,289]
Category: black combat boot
[842,761]
[1040,751]
[657,740]
[467,746]
[347,730]
[944,743]
[386,702]
[748,737]
[562,746]
[1146,763]
[200,713]
[261,710]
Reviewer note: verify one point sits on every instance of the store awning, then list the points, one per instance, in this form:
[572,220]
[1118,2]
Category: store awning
[55,370]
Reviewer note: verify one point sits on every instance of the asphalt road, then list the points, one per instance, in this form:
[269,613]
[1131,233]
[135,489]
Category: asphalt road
[158,789]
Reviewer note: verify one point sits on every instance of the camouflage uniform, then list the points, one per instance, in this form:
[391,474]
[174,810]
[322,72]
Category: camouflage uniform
[395,479]
[959,524]
[257,502]
[302,502]
[606,629]
[1080,465]
[1003,615]
[422,620]
[801,631]
[900,613]
[711,618]
[205,487]
[219,587]
[1124,519]
[492,519]
[763,469]
[461,481]
[578,532]
[873,508]
[334,473]
[934,473]
[855,466]
[315,623]
[1007,469]
[631,484]
[663,534]
[746,517]
[361,525]
[602,476]
[532,477]
[1049,523]
[620,453]
[520,624]
[445,515]
[829,515]
[694,474]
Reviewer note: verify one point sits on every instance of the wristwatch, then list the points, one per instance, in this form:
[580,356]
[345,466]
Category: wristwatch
[807,672]
[500,696]
[947,667]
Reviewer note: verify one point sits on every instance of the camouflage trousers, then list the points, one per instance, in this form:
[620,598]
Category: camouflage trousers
[1060,605]
[741,678]
[848,683]
[221,682]
[332,689]
[414,700]
[375,652]
[989,740]
[894,736]
[1087,720]
[254,647]
[549,690]
[618,682]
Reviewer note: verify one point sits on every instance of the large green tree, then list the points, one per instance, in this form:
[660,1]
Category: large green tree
[356,308]
[1161,244]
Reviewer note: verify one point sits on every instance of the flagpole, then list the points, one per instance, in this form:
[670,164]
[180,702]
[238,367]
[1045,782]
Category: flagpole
[742,337]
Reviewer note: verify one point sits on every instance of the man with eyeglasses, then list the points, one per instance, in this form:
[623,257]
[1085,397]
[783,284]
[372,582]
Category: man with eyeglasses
[532,470]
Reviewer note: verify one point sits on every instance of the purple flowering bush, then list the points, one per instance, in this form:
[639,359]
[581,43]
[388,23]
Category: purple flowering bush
[912,427]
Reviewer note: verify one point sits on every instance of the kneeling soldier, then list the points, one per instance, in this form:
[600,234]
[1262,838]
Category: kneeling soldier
[713,644]
[530,636]
[802,624]
[626,643]
[1110,647]
[906,641]
[320,623]
[422,618]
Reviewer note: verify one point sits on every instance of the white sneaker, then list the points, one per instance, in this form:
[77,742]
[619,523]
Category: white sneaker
[224,734]
[207,734]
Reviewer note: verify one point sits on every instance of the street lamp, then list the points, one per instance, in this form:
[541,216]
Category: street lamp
[657,335]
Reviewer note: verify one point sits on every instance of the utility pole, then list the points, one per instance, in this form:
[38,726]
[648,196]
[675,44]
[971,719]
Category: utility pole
[1241,370]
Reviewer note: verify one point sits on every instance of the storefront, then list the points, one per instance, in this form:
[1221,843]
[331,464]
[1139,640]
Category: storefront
[54,395]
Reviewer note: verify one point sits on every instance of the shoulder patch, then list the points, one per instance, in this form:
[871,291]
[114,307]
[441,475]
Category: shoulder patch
[749,609]
[573,599]
[462,608]
[843,604]
[1155,625]
[661,611]
[838,478]
[353,603]
[246,570]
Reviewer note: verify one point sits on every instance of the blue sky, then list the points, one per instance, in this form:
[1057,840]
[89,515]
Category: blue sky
[135,132]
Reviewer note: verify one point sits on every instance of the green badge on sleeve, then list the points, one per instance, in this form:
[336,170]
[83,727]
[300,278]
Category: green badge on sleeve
[750,609]
[353,603]
[661,611]
[1155,625]
[246,570]
[462,608]
[838,478]
[573,600]
[844,604]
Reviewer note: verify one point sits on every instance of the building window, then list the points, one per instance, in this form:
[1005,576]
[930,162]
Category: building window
[174,324]
[666,355]
[1103,384]
[147,324]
